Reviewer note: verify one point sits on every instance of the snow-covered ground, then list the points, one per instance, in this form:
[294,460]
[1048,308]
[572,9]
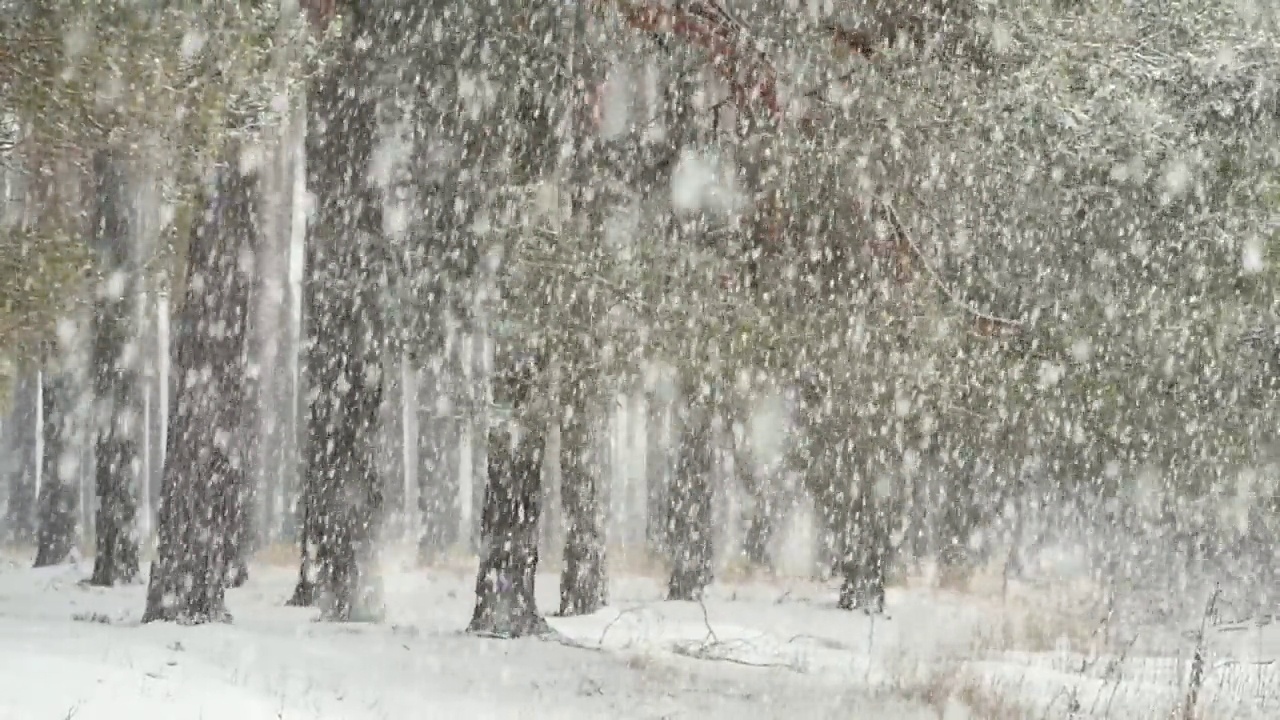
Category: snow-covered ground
[773,648]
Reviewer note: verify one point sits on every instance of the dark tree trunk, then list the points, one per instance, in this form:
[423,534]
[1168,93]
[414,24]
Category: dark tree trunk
[689,528]
[759,536]
[864,551]
[205,472]
[57,502]
[344,338]
[116,380]
[583,582]
[439,435]
[505,603]
[20,515]
[258,439]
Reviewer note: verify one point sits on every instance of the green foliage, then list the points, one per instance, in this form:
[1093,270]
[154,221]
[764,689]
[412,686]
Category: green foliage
[171,84]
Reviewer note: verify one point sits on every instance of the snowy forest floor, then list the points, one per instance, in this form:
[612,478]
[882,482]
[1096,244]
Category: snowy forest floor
[757,648]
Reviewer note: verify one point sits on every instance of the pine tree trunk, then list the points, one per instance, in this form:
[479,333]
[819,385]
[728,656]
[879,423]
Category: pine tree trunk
[20,515]
[116,381]
[205,473]
[689,529]
[344,339]
[864,540]
[583,582]
[505,602]
[57,502]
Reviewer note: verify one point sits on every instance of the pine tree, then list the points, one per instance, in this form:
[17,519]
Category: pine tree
[505,601]
[689,510]
[118,408]
[20,514]
[583,583]
[345,332]
[57,503]
[205,471]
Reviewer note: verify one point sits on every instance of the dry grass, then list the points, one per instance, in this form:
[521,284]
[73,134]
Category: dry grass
[1066,615]
[1044,629]
[402,556]
[278,555]
[956,578]
[951,692]
[17,554]
[986,703]
[633,562]
[740,570]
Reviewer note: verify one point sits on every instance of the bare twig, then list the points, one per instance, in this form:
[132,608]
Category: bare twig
[1196,680]
[820,92]
[1246,663]
[1117,667]
[901,231]
[706,620]
[700,652]
[621,614]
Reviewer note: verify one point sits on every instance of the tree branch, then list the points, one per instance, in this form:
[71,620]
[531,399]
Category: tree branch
[987,325]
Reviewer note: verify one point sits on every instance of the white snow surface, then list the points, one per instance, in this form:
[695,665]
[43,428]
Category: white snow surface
[767,648]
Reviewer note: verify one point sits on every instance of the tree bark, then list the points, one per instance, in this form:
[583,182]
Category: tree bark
[583,582]
[116,380]
[57,502]
[505,602]
[205,471]
[20,515]
[689,526]
[344,337]
[863,530]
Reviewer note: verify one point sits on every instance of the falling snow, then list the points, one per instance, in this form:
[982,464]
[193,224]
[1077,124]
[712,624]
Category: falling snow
[777,360]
